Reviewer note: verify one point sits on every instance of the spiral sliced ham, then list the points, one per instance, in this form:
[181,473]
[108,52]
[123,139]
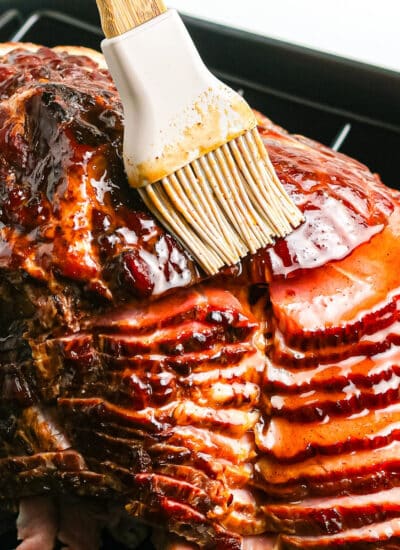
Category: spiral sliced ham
[258,409]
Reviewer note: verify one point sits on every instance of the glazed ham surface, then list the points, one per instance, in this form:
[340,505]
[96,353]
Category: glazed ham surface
[258,409]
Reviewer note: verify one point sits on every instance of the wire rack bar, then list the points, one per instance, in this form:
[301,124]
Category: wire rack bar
[32,20]
[341,137]
[10,15]
[35,17]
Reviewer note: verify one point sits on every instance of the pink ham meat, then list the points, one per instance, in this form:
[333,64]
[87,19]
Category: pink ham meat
[330,438]
[37,523]
[41,522]
[256,410]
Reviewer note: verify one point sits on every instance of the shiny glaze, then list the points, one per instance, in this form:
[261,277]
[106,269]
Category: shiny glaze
[130,402]
[224,411]
[329,434]
[344,204]
[66,208]
[67,212]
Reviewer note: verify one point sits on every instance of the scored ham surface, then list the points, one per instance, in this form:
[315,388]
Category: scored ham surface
[258,409]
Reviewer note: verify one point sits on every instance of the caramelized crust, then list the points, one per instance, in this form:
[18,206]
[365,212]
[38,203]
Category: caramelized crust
[259,409]
[68,215]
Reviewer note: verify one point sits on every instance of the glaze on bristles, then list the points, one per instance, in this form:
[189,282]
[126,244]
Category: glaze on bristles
[119,16]
[225,204]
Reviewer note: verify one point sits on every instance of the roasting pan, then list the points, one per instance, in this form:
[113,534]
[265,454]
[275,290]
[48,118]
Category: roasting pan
[353,107]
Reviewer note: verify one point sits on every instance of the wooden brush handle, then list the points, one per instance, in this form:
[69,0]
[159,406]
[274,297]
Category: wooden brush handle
[119,16]
[146,9]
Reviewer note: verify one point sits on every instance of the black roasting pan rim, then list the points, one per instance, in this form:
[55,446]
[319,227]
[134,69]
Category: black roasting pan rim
[343,89]
[336,82]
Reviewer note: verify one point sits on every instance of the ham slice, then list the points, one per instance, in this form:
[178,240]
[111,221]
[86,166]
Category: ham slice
[334,514]
[256,409]
[364,430]
[384,534]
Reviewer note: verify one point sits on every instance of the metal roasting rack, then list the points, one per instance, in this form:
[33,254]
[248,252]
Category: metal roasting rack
[27,27]
[352,107]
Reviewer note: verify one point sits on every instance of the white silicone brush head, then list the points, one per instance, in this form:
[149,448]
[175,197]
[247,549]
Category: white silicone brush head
[192,148]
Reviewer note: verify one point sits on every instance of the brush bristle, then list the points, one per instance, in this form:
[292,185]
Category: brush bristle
[225,204]
[119,16]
